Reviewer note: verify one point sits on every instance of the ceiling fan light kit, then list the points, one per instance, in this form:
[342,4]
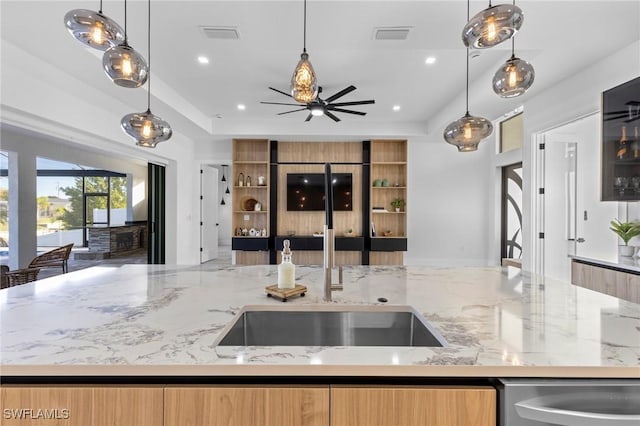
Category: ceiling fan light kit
[123,65]
[492,26]
[326,106]
[147,129]
[93,29]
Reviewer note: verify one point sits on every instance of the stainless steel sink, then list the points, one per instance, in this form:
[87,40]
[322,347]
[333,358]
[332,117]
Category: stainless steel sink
[330,325]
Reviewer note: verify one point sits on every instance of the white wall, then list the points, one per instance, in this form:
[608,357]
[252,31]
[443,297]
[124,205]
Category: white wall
[448,204]
[575,97]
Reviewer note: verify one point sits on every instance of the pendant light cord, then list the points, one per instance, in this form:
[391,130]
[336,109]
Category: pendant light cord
[100,10]
[304,35]
[126,39]
[467,92]
[513,39]
[149,56]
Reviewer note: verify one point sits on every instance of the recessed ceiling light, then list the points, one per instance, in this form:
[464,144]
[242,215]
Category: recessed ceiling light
[430,60]
[241,107]
[396,107]
[203,59]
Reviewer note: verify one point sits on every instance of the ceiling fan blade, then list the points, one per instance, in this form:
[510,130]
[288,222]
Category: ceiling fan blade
[293,110]
[280,91]
[340,94]
[348,111]
[370,101]
[280,103]
[331,116]
[309,117]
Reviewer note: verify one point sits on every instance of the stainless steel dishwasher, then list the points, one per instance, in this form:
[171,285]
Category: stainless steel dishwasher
[569,402]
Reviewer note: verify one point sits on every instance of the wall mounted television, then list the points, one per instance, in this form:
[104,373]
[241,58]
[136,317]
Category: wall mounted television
[305,191]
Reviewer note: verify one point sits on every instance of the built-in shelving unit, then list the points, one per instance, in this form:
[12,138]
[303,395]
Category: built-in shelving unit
[250,201]
[378,169]
[388,181]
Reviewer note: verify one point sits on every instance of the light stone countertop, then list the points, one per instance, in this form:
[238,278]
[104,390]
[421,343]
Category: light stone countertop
[163,321]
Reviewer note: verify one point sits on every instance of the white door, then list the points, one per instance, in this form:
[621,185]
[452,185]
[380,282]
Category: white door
[560,204]
[209,199]
[576,222]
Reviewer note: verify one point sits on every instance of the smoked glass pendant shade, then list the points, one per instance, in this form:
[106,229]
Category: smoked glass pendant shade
[513,78]
[93,29]
[304,85]
[147,129]
[124,66]
[492,26]
[467,132]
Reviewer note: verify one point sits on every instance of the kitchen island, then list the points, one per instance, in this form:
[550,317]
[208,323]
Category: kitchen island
[157,320]
[136,346]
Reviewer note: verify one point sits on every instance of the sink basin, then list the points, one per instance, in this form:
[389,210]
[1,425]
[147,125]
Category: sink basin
[330,325]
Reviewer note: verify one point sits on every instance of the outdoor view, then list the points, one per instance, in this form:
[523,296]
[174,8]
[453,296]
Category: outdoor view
[70,197]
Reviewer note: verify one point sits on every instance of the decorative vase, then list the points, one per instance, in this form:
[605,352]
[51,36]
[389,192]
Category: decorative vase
[626,251]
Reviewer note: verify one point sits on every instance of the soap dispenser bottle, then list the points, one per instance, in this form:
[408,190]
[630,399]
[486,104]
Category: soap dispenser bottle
[286,269]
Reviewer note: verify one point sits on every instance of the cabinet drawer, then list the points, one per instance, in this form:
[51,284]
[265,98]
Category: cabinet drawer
[247,405]
[412,406]
[80,406]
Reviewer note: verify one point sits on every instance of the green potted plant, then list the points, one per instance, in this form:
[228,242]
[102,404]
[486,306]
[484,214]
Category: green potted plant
[397,203]
[626,231]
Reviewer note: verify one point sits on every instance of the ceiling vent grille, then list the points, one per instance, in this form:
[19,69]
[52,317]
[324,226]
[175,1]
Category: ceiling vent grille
[391,33]
[221,33]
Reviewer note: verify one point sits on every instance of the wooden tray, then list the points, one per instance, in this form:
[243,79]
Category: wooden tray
[285,293]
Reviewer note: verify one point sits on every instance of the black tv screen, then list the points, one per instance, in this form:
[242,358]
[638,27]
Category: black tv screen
[305,191]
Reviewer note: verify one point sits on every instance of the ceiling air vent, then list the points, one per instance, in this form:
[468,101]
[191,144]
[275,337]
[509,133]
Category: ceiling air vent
[391,33]
[221,33]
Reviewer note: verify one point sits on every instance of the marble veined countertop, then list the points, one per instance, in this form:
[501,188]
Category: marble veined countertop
[164,320]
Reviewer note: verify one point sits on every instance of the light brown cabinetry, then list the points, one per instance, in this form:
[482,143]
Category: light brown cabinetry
[246,405]
[240,405]
[413,406]
[623,285]
[81,406]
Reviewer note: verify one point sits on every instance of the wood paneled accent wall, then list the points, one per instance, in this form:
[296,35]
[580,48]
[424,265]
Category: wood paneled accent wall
[306,223]
[319,152]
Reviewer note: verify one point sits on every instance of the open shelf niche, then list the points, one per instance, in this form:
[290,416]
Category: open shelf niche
[250,201]
[388,182]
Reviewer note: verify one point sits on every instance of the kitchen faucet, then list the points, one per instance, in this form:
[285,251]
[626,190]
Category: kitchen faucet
[329,237]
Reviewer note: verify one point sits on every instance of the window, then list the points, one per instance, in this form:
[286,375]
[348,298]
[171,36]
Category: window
[511,133]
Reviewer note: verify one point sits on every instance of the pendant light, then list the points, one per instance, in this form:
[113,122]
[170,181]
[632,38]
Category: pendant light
[514,77]
[304,84]
[227,190]
[492,26]
[222,203]
[224,169]
[467,131]
[146,128]
[93,28]
[123,65]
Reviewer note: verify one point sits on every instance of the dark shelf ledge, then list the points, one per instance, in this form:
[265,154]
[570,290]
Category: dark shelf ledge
[311,243]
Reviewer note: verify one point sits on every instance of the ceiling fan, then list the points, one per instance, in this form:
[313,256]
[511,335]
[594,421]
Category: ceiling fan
[323,106]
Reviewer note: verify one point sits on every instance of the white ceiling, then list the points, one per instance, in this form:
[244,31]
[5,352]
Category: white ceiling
[557,37]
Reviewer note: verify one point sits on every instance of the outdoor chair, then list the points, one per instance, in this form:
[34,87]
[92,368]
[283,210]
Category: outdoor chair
[57,257]
[18,276]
